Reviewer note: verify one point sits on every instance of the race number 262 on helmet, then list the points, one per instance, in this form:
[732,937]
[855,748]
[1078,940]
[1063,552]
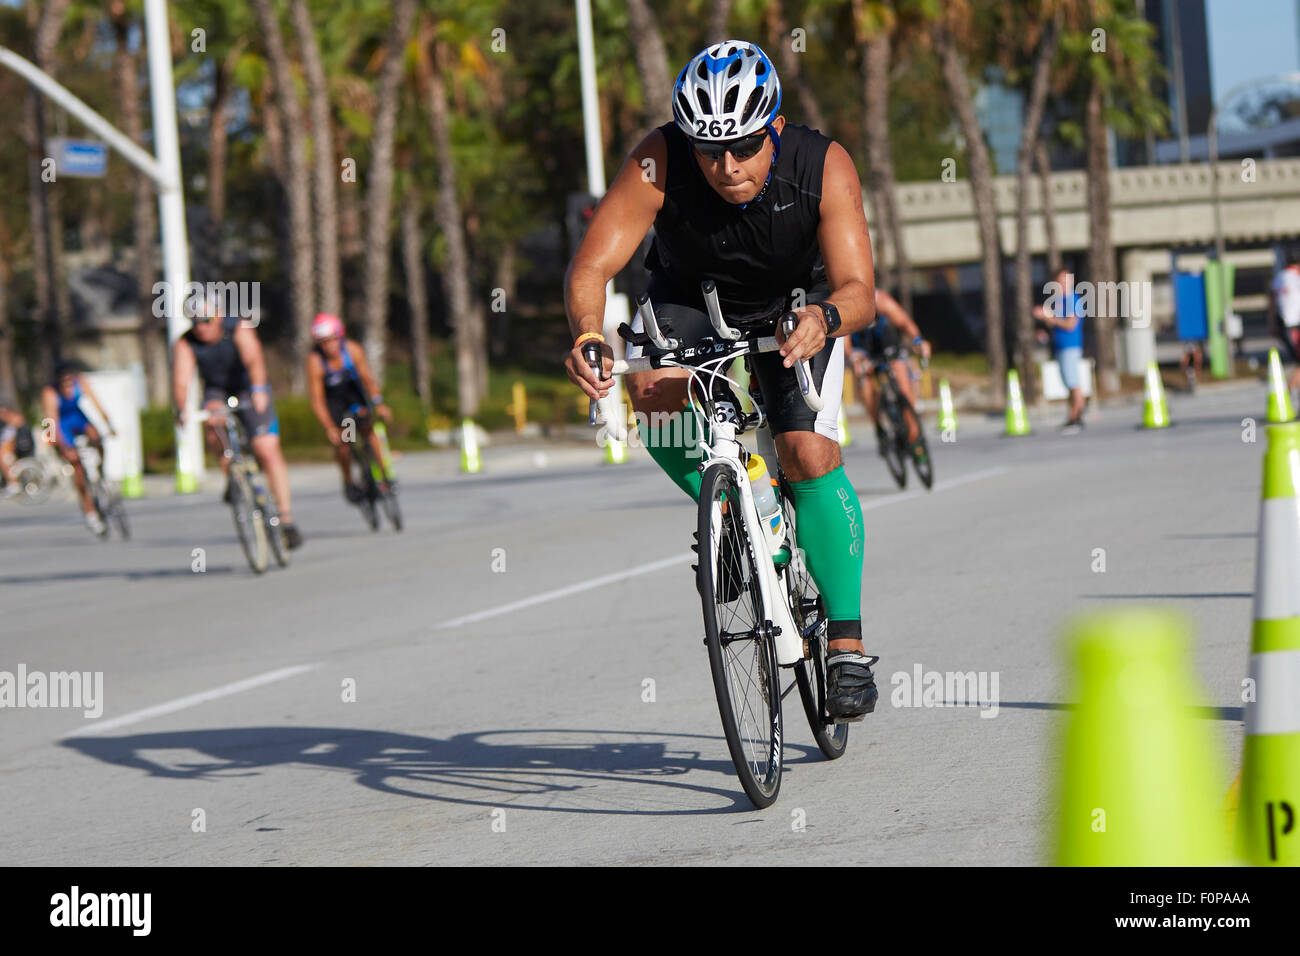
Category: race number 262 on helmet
[726,91]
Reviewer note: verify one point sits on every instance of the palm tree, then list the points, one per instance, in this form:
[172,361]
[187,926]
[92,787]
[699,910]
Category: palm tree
[153,355]
[791,69]
[47,237]
[872,26]
[1046,43]
[1115,81]
[1049,219]
[651,63]
[297,185]
[465,318]
[329,282]
[947,32]
[413,264]
[379,187]
[718,18]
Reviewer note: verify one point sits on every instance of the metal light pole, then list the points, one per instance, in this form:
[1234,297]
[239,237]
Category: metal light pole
[616,310]
[171,215]
[164,170]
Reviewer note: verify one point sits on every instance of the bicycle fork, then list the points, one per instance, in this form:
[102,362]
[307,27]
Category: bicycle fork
[776,612]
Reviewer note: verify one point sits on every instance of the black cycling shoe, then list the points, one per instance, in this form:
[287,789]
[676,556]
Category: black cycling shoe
[881,442]
[353,493]
[850,686]
[229,496]
[292,536]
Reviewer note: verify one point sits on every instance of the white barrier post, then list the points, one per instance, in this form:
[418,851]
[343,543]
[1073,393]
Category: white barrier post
[123,452]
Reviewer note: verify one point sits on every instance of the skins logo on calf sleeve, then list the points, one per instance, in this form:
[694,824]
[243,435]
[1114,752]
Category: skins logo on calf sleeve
[855,548]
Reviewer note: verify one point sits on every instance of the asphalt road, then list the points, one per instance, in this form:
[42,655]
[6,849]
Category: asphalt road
[500,648]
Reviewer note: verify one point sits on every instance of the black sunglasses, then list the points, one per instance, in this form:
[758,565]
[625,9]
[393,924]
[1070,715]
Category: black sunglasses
[740,149]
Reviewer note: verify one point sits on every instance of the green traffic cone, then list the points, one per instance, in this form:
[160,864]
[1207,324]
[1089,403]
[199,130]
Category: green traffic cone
[1138,775]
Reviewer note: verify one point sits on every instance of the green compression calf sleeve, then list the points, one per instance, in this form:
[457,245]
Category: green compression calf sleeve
[829,525]
[682,464]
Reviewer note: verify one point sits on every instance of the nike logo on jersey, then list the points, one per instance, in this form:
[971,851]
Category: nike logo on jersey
[786,206]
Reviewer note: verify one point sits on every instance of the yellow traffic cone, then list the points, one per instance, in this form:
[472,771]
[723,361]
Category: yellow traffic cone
[1137,781]
[1155,411]
[1017,420]
[469,457]
[615,451]
[947,417]
[1268,808]
[1279,396]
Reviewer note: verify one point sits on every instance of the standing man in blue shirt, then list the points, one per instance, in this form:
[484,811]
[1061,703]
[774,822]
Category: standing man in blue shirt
[1067,343]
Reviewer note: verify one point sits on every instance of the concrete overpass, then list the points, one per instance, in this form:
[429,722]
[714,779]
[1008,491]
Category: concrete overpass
[1155,211]
[1153,206]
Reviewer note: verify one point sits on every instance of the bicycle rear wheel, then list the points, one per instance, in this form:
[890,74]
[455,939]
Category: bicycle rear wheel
[118,512]
[809,612]
[99,494]
[248,520]
[742,656]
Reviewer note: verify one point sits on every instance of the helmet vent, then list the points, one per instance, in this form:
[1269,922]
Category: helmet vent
[701,71]
[702,98]
[750,106]
[729,101]
[760,69]
[686,106]
[735,68]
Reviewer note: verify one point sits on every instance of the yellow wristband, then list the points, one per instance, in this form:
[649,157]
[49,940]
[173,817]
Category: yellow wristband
[587,337]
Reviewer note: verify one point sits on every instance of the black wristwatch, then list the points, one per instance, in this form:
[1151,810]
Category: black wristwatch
[831,315]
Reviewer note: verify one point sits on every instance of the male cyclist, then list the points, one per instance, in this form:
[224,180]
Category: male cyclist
[61,401]
[772,213]
[230,361]
[338,380]
[881,341]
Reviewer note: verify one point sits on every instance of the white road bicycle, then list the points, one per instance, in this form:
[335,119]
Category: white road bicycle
[762,613]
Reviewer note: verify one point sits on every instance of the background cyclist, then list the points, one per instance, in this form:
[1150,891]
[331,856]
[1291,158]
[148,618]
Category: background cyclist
[773,213]
[338,380]
[230,361]
[61,401]
[880,341]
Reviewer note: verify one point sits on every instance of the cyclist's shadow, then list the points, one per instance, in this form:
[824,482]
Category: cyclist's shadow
[570,771]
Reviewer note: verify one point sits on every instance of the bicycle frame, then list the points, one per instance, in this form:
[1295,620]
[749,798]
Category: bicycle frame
[724,449]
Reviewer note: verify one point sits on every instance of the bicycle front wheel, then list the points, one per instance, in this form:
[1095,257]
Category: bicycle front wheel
[895,440]
[391,507]
[248,521]
[919,450]
[742,655]
[274,528]
[34,480]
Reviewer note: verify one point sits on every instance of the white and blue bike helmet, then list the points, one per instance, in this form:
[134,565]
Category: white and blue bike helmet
[727,90]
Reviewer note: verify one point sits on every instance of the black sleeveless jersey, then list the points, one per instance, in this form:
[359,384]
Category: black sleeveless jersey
[219,363]
[759,255]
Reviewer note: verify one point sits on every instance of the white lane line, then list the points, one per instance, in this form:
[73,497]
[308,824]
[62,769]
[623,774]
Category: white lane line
[940,486]
[677,559]
[566,591]
[100,726]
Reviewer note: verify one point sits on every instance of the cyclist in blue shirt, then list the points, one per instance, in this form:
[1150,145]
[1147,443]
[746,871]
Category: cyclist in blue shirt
[61,400]
[338,380]
[1067,343]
